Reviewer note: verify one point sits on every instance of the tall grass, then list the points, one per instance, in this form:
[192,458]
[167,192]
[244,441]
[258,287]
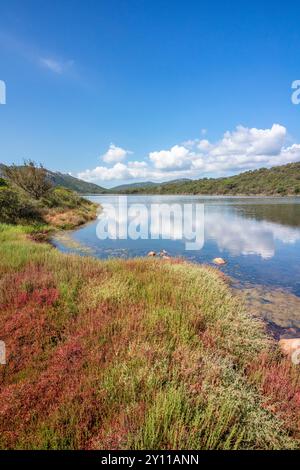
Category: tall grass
[138,354]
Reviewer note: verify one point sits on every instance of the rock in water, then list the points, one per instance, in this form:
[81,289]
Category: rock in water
[151,253]
[163,253]
[288,346]
[219,261]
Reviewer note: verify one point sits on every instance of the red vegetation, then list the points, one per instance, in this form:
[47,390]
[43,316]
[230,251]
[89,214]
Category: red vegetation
[69,343]
[59,358]
[279,381]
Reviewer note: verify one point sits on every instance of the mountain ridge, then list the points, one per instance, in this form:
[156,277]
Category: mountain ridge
[145,184]
[76,184]
[275,181]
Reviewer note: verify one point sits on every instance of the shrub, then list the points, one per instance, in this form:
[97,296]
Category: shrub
[30,177]
[62,197]
[2,182]
[16,207]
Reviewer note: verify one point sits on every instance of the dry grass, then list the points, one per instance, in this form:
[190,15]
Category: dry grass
[138,354]
[67,219]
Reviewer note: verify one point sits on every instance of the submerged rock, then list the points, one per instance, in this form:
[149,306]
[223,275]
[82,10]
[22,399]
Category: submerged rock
[289,346]
[219,261]
[151,253]
[163,253]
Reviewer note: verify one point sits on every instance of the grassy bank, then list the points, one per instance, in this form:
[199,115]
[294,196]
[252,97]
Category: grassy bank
[59,208]
[138,354]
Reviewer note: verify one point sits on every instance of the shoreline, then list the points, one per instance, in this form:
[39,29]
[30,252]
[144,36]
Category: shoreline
[268,303]
[279,298]
[243,196]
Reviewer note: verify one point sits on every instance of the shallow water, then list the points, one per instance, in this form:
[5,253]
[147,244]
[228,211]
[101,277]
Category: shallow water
[258,237]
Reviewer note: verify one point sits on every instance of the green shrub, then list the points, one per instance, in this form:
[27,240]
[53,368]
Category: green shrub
[30,177]
[15,207]
[62,197]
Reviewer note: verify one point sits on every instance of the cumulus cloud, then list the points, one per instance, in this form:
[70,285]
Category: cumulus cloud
[118,171]
[240,150]
[244,141]
[115,154]
[176,157]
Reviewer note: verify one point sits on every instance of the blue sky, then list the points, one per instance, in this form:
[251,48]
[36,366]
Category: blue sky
[117,90]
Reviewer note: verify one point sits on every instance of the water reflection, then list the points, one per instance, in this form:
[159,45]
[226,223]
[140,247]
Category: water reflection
[242,236]
[283,213]
[239,226]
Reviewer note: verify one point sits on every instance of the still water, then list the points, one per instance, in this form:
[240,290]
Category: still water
[258,237]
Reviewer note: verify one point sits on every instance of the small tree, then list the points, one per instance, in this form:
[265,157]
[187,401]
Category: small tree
[30,177]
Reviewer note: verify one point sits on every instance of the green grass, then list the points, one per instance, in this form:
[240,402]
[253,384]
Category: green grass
[137,354]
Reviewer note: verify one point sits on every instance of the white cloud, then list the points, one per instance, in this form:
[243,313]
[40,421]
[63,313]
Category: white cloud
[117,172]
[203,145]
[101,173]
[176,157]
[245,141]
[240,150]
[115,154]
[137,165]
[55,66]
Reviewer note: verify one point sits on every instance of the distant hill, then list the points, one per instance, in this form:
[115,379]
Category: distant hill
[130,186]
[276,181]
[70,182]
[144,185]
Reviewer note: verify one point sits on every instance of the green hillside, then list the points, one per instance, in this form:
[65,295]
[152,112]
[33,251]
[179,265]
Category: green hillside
[145,185]
[75,184]
[276,181]
[132,186]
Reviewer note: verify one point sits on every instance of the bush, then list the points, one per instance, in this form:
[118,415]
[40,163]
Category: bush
[16,207]
[31,178]
[281,190]
[62,197]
